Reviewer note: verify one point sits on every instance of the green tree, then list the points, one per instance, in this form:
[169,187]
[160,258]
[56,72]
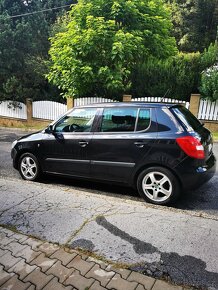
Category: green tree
[104,41]
[24,48]
[195,23]
[210,56]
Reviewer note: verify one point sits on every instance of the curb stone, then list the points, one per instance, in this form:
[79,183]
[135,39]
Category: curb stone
[49,267]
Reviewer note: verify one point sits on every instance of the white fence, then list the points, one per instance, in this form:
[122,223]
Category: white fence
[48,110]
[51,110]
[88,101]
[7,109]
[208,110]
[160,100]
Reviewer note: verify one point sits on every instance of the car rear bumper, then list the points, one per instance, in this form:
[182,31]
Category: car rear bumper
[195,177]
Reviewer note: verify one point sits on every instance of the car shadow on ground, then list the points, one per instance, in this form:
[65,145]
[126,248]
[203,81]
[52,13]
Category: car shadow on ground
[203,199]
[100,188]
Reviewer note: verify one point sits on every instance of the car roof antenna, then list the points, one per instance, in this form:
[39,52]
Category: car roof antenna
[167,91]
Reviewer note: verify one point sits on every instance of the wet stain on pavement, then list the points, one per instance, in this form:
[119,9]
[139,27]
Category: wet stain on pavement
[180,269]
[84,244]
[189,269]
[140,247]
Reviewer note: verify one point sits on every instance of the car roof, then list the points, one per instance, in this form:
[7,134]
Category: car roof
[128,104]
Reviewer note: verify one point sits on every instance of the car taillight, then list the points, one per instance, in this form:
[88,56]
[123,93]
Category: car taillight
[191,146]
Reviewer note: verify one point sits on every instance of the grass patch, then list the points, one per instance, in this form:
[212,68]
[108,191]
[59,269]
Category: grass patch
[25,127]
[29,127]
[11,228]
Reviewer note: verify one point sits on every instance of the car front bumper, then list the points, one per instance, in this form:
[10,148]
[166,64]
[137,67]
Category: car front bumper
[13,156]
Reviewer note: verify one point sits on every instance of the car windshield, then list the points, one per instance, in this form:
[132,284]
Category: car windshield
[187,118]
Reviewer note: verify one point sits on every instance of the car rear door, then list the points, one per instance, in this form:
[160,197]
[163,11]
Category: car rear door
[124,138]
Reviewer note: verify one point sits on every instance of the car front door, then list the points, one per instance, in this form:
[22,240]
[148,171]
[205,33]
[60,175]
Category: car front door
[66,148]
[124,138]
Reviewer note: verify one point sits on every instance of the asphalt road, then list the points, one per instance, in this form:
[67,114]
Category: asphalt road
[203,200]
[180,244]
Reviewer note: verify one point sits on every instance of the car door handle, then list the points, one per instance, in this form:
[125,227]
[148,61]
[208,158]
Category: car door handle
[140,144]
[83,143]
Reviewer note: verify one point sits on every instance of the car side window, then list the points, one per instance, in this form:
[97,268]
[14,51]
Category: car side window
[118,119]
[144,119]
[79,120]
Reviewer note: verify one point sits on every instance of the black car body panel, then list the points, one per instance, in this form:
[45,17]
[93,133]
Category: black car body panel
[117,147]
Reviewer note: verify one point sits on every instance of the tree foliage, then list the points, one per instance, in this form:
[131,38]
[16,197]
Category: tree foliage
[195,23]
[107,47]
[209,83]
[104,41]
[175,77]
[24,48]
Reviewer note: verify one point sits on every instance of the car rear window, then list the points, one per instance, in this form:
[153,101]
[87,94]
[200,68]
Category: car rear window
[187,118]
[143,120]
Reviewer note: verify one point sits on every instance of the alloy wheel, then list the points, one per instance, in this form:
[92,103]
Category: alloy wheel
[28,168]
[157,186]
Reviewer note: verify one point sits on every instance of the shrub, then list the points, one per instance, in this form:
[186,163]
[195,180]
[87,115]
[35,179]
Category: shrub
[177,77]
[209,83]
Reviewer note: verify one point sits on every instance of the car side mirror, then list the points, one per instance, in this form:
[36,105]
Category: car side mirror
[49,129]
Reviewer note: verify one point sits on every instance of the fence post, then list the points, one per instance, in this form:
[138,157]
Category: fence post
[194,104]
[29,109]
[127,98]
[70,103]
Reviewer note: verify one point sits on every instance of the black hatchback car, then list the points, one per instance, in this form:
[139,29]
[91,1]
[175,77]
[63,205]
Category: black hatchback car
[161,149]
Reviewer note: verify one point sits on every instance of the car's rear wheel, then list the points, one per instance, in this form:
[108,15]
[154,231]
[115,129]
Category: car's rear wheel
[29,167]
[158,185]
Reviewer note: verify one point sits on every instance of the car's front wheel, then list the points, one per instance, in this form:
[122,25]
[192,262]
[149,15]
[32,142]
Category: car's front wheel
[158,185]
[29,167]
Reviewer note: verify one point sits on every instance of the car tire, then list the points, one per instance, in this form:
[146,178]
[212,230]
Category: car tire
[29,167]
[158,185]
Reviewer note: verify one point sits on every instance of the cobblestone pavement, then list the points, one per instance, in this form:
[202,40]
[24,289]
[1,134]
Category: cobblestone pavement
[28,263]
